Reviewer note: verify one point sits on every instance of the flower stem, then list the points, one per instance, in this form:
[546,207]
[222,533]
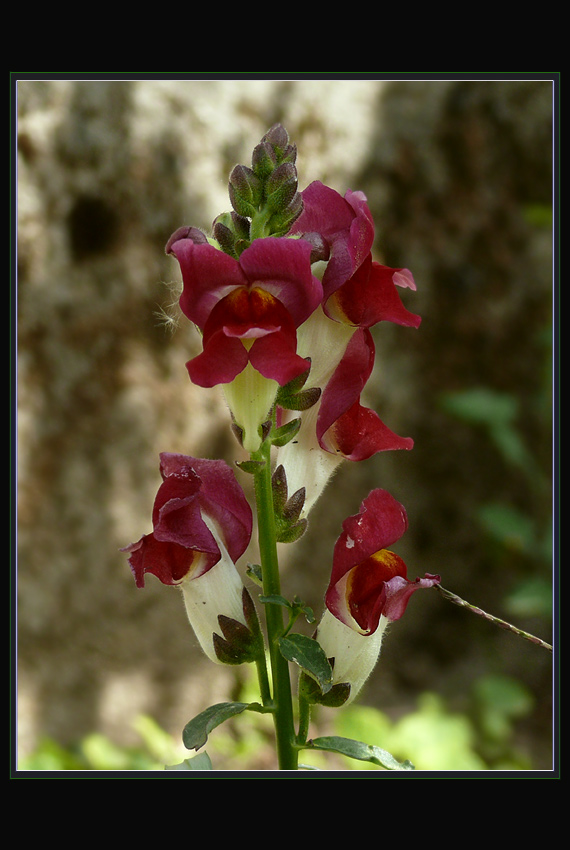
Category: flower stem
[282,698]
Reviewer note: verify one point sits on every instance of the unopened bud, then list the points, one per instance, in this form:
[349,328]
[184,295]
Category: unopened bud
[224,234]
[192,233]
[263,160]
[281,222]
[245,191]
[281,187]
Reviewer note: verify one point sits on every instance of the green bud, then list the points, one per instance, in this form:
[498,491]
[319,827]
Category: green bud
[240,226]
[224,234]
[278,138]
[281,187]
[263,160]
[281,222]
[245,191]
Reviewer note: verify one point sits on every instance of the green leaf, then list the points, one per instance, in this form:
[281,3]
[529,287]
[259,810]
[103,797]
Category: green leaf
[309,656]
[276,600]
[199,762]
[196,731]
[358,750]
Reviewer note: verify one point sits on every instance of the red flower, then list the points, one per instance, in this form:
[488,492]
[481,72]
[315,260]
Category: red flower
[368,581]
[356,289]
[368,590]
[247,309]
[199,510]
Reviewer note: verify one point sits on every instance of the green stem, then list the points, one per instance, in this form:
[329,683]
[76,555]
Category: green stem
[282,698]
[304,720]
[259,224]
[263,679]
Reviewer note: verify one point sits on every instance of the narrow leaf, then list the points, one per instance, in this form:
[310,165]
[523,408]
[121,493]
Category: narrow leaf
[360,751]
[196,731]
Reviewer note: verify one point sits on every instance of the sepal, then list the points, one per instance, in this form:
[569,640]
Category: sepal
[293,396]
[334,698]
[288,525]
[285,433]
[239,643]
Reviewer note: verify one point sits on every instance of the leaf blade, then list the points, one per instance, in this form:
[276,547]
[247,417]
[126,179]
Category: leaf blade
[309,656]
[358,750]
[195,733]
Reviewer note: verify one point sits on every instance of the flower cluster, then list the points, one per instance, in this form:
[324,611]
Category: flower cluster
[284,292]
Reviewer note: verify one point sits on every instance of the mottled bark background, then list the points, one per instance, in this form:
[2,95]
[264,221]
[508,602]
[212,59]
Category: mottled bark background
[459,176]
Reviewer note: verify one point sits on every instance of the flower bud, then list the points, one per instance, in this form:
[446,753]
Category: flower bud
[281,187]
[278,138]
[263,160]
[224,234]
[245,191]
[193,233]
[280,222]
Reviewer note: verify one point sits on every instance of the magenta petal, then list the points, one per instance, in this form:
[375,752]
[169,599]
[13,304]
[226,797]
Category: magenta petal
[274,357]
[282,267]
[167,561]
[221,360]
[398,593]
[380,522]
[223,500]
[325,211]
[179,521]
[345,224]
[360,433]
[404,278]
[208,275]
[361,229]
[370,296]
[193,491]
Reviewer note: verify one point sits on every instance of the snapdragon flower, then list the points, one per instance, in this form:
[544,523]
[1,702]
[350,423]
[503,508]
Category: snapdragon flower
[202,524]
[248,311]
[368,589]
[356,289]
